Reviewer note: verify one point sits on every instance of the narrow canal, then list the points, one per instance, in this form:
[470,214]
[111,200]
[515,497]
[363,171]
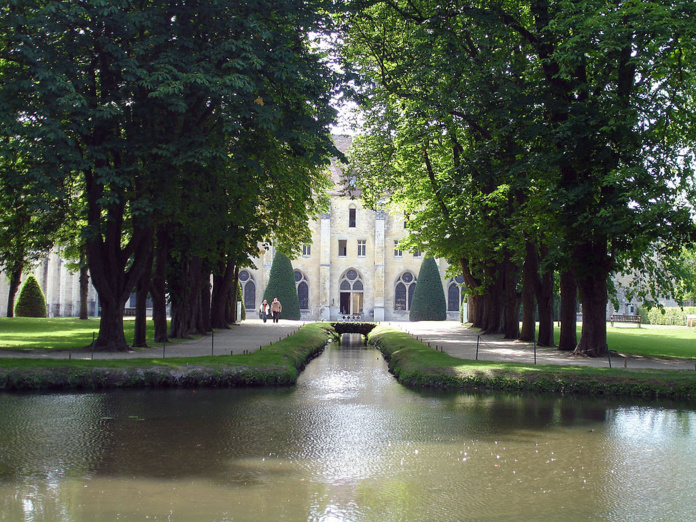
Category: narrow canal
[347,443]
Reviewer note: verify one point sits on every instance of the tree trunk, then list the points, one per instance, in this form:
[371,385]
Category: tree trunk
[84,289]
[529,273]
[186,300]
[231,315]
[493,301]
[115,268]
[569,292]
[593,267]
[111,337]
[222,284]
[196,317]
[158,285]
[593,296]
[511,310]
[475,311]
[15,280]
[205,303]
[545,304]
[141,293]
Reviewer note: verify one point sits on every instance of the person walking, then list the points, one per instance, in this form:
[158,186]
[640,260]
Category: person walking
[276,308]
[264,310]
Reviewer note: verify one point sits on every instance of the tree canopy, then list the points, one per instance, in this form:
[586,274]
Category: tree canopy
[194,129]
[564,125]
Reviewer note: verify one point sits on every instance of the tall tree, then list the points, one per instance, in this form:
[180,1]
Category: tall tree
[139,103]
[573,119]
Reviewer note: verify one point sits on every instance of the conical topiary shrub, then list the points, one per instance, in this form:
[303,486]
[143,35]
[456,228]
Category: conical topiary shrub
[31,301]
[428,302]
[281,284]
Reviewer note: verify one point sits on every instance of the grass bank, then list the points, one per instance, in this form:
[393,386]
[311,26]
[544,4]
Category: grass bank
[59,333]
[416,365]
[278,364]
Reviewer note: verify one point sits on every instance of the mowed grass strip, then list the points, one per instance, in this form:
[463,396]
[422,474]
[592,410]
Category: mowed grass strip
[279,363]
[60,333]
[416,365]
[648,340]
[653,340]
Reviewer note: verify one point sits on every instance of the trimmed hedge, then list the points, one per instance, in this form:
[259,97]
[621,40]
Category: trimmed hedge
[429,302]
[281,365]
[672,316]
[417,366]
[281,284]
[31,301]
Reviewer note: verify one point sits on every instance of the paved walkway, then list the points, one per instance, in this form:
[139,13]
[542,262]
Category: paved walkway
[448,336]
[249,336]
[459,341]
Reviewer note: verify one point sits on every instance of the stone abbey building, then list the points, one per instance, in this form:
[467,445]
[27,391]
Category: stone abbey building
[354,265]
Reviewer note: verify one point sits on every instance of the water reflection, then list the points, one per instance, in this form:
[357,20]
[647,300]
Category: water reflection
[347,443]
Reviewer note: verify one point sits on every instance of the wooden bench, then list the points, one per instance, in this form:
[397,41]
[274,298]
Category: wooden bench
[623,318]
[691,320]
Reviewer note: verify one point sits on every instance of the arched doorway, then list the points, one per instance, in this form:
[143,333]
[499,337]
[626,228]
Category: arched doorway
[351,293]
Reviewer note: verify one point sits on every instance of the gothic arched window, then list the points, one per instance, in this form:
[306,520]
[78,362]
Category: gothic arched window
[248,289]
[302,289]
[403,291]
[454,294]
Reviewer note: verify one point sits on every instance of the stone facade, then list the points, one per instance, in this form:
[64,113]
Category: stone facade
[60,286]
[352,266]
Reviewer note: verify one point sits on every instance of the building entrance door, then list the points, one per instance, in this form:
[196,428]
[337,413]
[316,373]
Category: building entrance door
[351,293]
[345,303]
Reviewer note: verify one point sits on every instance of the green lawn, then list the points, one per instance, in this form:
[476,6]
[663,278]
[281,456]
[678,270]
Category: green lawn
[61,333]
[65,333]
[650,340]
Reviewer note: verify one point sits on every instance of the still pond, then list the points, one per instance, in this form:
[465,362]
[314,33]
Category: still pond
[347,443]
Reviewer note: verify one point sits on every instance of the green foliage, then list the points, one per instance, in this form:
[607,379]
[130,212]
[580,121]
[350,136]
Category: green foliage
[231,98]
[278,364]
[672,316]
[546,127]
[281,284]
[429,302]
[417,366]
[31,301]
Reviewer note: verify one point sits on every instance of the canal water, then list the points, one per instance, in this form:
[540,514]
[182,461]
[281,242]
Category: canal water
[347,443]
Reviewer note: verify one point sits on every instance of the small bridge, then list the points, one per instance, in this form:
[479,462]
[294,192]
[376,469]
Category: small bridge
[359,328]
